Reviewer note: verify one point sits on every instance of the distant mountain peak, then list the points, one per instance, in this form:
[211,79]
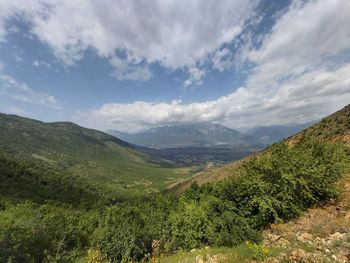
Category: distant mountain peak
[201,134]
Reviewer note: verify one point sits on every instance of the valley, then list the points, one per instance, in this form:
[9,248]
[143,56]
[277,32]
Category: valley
[90,155]
[81,195]
[193,144]
[182,131]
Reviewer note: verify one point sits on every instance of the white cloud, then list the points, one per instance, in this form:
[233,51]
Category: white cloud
[174,34]
[130,70]
[222,59]
[300,71]
[297,77]
[18,59]
[195,76]
[10,9]
[305,37]
[37,63]
[311,97]
[20,91]
[13,110]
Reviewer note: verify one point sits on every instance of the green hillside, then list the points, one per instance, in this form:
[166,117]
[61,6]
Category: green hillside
[296,193]
[22,181]
[334,128]
[48,215]
[94,156]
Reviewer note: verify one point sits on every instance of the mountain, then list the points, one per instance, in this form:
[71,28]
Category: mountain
[275,133]
[189,135]
[197,144]
[334,128]
[99,158]
[48,215]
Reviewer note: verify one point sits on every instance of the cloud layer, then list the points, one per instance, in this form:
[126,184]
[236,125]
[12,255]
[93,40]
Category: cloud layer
[309,98]
[301,73]
[298,71]
[133,35]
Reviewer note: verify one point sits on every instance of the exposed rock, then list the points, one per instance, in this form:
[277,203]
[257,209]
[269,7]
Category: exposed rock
[273,237]
[299,255]
[335,237]
[305,237]
[210,259]
[282,242]
[276,240]
[272,260]
[320,242]
[330,238]
[199,259]
[347,215]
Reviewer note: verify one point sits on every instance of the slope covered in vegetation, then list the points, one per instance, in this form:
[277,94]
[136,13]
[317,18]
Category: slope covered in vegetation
[275,186]
[96,157]
[332,129]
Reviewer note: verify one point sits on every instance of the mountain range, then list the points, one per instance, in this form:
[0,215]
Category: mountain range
[70,194]
[189,135]
[193,144]
[210,135]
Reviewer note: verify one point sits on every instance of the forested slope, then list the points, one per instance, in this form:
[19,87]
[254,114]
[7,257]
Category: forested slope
[96,157]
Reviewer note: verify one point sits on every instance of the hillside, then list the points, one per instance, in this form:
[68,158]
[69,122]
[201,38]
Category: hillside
[275,133]
[319,233]
[48,215]
[190,135]
[334,128]
[23,181]
[98,158]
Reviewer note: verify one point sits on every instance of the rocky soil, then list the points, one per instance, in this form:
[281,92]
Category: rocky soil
[320,235]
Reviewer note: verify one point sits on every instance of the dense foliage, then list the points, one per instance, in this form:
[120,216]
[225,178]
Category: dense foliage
[23,180]
[42,221]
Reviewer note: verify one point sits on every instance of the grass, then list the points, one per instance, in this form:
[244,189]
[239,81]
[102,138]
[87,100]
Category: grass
[335,127]
[239,254]
[98,158]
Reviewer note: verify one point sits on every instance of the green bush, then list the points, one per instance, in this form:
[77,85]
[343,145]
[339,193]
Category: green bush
[276,185]
[32,233]
[285,181]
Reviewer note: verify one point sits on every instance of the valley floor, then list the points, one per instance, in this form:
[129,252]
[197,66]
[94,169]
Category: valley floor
[320,235]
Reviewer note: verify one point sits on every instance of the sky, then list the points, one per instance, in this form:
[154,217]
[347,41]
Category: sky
[131,65]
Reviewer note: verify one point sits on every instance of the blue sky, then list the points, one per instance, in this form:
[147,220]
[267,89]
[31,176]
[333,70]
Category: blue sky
[133,65]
